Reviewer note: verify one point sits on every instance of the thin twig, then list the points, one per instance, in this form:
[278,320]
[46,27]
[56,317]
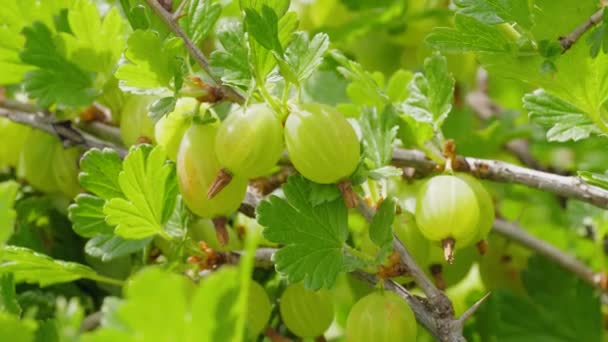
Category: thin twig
[499,171]
[68,134]
[570,39]
[194,51]
[513,232]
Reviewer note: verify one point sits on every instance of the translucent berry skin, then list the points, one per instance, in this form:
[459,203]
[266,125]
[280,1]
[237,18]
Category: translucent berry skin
[383,317]
[486,206]
[42,151]
[258,310]
[446,207]
[204,230]
[13,136]
[250,141]
[306,313]
[407,231]
[134,120]
[501,267]
[170,129]
[322,145]
[197,168]
[452,273]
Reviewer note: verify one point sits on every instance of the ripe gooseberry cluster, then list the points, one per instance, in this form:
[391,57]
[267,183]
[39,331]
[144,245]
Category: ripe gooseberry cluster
[219,159]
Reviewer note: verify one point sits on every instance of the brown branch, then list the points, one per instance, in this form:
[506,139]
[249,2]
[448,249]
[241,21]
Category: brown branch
[194,51]
[499,171]
[511,231]
[64,130]
[570,39]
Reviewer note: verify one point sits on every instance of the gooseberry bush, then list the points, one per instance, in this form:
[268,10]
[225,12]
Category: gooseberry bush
[338,170]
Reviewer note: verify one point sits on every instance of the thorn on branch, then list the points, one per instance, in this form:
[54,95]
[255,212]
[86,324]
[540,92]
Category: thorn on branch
[471,310]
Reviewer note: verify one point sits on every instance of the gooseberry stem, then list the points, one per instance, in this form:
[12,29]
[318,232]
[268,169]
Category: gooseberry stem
[448,245]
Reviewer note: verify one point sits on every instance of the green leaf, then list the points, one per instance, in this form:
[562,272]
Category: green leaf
[109,247]
[8,296]
[263,60]
[396,89]
[414,133]
[598,38]
[218,297]
[87,216]
[15,15]
[564,120]
[161,107]
[16,330]
[593,178]
[497,11]
[263,26]
[365,89]
[380,229]
[150,188]
[142,17]
[212,308]
[469,34]
[313,237]
[321,193]
[280,7]
[153,62]
[378,133]
[200,18]
[69,315]
[304,55]
[431,93]
[559,307]
[94,44]
[99,171]
[231,63]
[8,192]
[35,268]
[57,80]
